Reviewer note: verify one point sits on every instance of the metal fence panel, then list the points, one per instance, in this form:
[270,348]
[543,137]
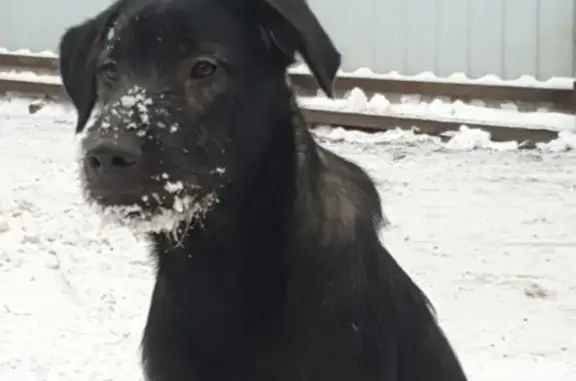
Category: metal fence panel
[507,38]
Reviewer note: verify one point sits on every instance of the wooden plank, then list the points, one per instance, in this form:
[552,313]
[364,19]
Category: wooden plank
[25,62]
[31,87]
[427,126]
[465,92]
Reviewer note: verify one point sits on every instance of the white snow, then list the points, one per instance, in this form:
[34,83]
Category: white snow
[485,229]
[440,109]
[27,75]
[27,52]
[185,210]
[522,81]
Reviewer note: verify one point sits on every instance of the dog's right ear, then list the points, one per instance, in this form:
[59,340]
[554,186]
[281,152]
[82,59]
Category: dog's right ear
[79,50]
[295,27]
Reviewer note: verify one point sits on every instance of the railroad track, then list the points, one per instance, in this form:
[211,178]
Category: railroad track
[563,100]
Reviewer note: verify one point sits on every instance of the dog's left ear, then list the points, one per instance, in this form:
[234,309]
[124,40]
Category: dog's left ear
[293,24]
[78,51]
[77,69]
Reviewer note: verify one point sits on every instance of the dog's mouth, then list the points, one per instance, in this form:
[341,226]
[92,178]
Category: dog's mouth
[158,211]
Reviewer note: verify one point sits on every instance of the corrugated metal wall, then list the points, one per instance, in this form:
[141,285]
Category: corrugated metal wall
[36,25]
[507,38]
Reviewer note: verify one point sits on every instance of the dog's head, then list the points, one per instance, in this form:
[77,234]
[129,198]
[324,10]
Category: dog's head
[177,98]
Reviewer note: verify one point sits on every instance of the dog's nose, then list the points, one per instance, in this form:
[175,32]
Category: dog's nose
[111,158]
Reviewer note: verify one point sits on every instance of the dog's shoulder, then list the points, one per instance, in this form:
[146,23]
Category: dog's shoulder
[342,201]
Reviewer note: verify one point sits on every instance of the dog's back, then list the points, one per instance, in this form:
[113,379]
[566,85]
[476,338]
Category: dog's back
[386,326]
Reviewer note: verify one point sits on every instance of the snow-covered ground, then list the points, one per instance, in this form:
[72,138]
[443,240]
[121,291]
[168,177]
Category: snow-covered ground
[487,232]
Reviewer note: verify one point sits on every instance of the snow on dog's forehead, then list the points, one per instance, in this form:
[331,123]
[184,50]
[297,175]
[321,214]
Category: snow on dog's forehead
[149,24]
[156,15]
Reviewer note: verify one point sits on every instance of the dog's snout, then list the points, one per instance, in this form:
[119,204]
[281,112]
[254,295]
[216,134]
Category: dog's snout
[113,159]
[106,157]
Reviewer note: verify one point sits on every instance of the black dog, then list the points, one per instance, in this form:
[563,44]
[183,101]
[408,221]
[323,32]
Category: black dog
[269,265]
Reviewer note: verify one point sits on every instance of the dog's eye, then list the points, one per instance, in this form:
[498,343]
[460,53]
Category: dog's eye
[109,71]
[203,69]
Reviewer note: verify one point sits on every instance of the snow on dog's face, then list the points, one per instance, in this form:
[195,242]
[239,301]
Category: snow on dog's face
[177,99]
[142,167]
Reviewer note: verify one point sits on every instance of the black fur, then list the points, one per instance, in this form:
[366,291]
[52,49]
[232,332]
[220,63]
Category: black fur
[283,276]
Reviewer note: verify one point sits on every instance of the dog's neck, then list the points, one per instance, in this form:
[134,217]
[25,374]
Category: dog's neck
[226,277]
[277,244]
[301,200]
[299,189]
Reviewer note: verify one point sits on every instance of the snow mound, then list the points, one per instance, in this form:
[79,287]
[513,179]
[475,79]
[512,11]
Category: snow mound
[439,109]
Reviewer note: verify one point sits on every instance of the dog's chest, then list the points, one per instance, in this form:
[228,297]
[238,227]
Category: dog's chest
[217,331]
[321,355]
